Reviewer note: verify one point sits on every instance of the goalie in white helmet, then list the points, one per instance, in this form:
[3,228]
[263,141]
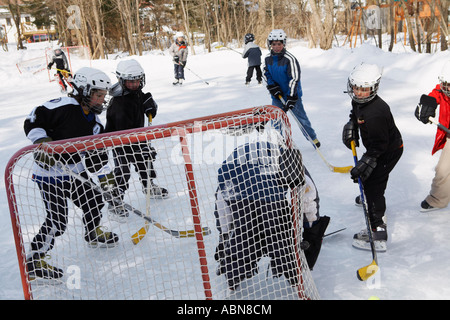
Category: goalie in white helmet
[439,196]
[59,119]
[131,109]
[372,120]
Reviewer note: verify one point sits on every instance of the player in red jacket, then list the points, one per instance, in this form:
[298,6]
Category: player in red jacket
[439,196]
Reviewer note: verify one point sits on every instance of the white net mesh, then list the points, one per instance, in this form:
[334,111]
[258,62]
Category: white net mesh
[229,228]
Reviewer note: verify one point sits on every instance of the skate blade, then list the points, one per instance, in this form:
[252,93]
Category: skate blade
[118,218]
[380,246]
[101,245]
[35,280]
[429,210]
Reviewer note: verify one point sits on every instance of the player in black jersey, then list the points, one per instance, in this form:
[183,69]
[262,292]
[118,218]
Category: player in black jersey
[130,109]
[63,118]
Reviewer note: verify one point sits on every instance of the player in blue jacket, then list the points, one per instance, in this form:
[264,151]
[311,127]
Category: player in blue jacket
[282,73]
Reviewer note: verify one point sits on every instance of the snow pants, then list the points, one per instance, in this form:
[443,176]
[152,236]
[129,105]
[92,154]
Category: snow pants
[375,186]
[55,192]
[178,71]
[141,156]
[439,196]
[250,71]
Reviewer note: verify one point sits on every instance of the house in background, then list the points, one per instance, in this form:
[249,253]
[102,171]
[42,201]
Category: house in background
[29,31]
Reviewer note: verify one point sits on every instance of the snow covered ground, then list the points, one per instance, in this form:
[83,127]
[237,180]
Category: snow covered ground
[415,265]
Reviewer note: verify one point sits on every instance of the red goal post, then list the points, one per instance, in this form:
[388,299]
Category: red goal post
[176,255]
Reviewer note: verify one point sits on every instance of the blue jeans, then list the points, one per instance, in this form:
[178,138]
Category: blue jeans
[300,113]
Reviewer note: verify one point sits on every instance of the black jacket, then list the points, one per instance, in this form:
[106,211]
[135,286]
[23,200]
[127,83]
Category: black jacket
[128,109]
[63,118]
[378,131]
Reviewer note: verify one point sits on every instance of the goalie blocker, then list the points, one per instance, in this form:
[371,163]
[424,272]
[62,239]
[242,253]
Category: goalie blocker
[253,213]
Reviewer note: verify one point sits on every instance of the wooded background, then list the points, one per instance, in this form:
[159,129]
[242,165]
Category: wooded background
[108,26]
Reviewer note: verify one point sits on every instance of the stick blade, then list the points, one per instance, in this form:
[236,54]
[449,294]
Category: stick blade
[191,233]
[342,169]
[138,236]
[366,272]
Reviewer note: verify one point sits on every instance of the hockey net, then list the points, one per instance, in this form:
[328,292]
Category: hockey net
[205,240]
[77,57]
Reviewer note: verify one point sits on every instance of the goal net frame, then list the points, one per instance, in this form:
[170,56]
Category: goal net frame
[81,53]
[145,270]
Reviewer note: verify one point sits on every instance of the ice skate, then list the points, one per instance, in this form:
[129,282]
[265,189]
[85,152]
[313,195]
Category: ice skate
[117,213]
[98,238]
[426,207]
[156,192]
[38,268]
[379,236]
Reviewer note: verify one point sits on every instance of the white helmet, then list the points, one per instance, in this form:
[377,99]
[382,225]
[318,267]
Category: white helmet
[364,75]
[87,81]
[444,79]
[276,35]
[58,51]
[130,70]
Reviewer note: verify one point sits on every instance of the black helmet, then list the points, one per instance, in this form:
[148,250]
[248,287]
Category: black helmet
[249,37]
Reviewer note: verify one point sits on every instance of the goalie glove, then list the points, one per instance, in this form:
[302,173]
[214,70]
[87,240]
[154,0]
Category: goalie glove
[363,168]
[349,134]
[426,108]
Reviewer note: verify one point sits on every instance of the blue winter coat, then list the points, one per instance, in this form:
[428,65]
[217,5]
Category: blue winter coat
[283,70]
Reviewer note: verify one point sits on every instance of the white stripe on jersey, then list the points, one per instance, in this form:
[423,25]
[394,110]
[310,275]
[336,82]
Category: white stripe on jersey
[295,73]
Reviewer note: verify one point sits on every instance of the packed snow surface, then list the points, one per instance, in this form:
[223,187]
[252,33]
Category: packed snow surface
[415,265]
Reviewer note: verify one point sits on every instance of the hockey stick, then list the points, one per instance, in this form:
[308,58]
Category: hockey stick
[196,74]
[140,234]
[109,197]
[331,167]
[366,272]
[440,126]
[334,232]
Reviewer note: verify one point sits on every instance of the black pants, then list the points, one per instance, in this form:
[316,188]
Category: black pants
[55,192]
[375,186]
[137,155]
[250,73]
[178,71]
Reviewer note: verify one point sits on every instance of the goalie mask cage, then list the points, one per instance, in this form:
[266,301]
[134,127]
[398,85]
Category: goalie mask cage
[175,257]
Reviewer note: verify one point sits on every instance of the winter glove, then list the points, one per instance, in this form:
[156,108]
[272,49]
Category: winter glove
[43,159]
[176,59]
[150,106]
[182,63]
[350,133]
[290,103]
[275,90]
[426,108]
[363,168]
